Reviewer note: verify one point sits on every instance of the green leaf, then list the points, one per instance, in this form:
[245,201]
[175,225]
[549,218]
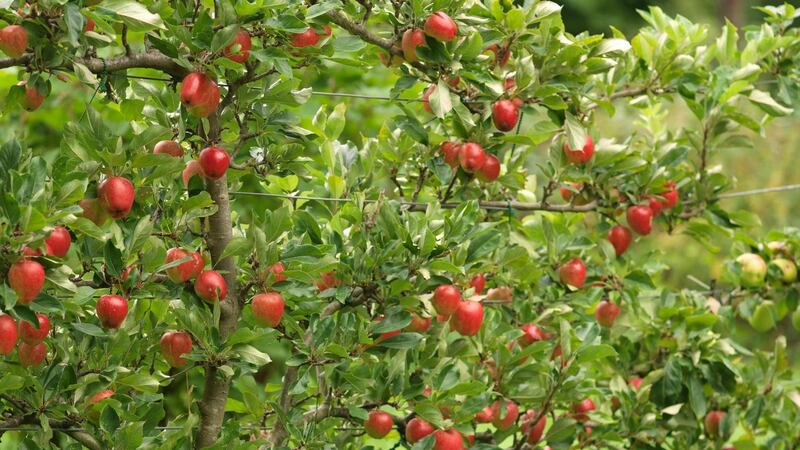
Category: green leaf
[238,246]
[134,14]
[252,355]
[140,381]
[402,341]
[89,328]
[593,352]
[768,104]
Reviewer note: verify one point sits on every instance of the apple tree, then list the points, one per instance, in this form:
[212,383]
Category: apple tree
[195,258]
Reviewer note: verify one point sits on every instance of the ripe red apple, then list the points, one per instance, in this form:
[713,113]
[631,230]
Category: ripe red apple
[490,169]
[192,168]
[239,50]
[640,219]
[446,299]
[417,429]
[171,148]
[579,155]
[582,408]
[472,157]
[440,26]
[13,40]
[26,278]
[620,238]
[505,114]
[566,193]
[418,324]
[116,195]
[30,334]
[426,104]
[654,204]
[199,94]
[531,334]
[467,319]
[277,271]
[478,282]
[606,313]
[635,382]
[111,310]
[32,99]
[184,271]
[100,396]
[509,84]
[174,344]
[268,308]
[378,424]
[448,440]
[309,37]
[506,421]
[534,431]
[89,25]
[328,280]
[712,420]
[449,151]
[486,415]
[31,252]
[214,161]
[412,38]
[573,273]
[32,355]
[210,286]
[671,197]
[93,211]
[58,242]
[8,334]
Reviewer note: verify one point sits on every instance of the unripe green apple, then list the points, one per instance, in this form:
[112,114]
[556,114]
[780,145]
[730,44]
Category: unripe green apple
[787,267]
[754,269]
[764,317]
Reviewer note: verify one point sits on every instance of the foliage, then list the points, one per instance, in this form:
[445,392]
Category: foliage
[398,222]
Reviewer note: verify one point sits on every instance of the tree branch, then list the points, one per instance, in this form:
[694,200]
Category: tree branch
[361,31]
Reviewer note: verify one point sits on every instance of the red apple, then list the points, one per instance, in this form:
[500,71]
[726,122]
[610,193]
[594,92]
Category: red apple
[277,271]
[417,429]
[309,37]
[192,168]
[712,420]
[116,195]
[31,252]
[89,25]
[418,324]
[671,197]
[13,40]
[606,313]
[472,157]
[446,299]
[655,204]
[635,382]
[531,334]
[58,242]
[440,26]
[448,440]
[640,219]
[239,50]
[620,238]
[505,114]
[478,282]
[171,148]
[214,161]
[199,94]
[412,38]
[534,431]
[32,99]
[210,286]
[449,151]
[100,396]
[490,169]
[328,280]
[184,271]
[111,310]
[26,278]
[32,355]
[426,104]
[468,318]
[8,334]
[378,424]
[582,408]
[486,415]
[573,273]
[506,421]
[30,334]
[579,155]
[509,84]
[174,344]
[268,308]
